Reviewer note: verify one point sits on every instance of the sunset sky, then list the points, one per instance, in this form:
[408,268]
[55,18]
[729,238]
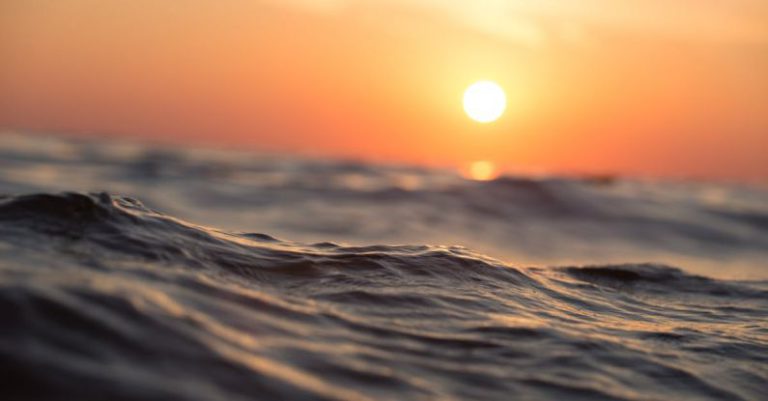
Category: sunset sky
[675,88]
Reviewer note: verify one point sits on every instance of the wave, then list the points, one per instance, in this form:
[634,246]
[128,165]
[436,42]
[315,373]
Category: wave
[717,230]
[102,297]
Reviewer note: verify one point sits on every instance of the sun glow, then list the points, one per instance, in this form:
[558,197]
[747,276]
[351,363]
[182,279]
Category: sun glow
[484,101]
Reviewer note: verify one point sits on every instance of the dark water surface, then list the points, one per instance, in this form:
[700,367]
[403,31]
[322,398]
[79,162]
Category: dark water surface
[102,297]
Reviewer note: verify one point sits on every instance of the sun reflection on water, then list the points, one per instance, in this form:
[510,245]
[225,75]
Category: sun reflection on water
[481,170]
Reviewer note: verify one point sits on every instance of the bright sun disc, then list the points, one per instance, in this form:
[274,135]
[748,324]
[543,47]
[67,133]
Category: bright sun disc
[485,101]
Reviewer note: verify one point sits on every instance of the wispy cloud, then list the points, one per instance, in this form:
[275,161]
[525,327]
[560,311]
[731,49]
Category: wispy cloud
[535,22]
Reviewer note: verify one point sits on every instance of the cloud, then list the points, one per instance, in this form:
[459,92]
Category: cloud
[533,22]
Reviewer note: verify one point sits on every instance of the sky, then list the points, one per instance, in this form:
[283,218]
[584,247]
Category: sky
[663,88]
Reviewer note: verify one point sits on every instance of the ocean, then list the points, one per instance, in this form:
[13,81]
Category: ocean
[147,272]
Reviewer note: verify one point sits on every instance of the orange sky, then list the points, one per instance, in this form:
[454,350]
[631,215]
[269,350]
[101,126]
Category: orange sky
[654,87]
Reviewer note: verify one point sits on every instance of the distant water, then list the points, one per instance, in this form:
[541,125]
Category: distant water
[331,280]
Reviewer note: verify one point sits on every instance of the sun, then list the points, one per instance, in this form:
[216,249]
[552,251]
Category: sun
[485,101]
